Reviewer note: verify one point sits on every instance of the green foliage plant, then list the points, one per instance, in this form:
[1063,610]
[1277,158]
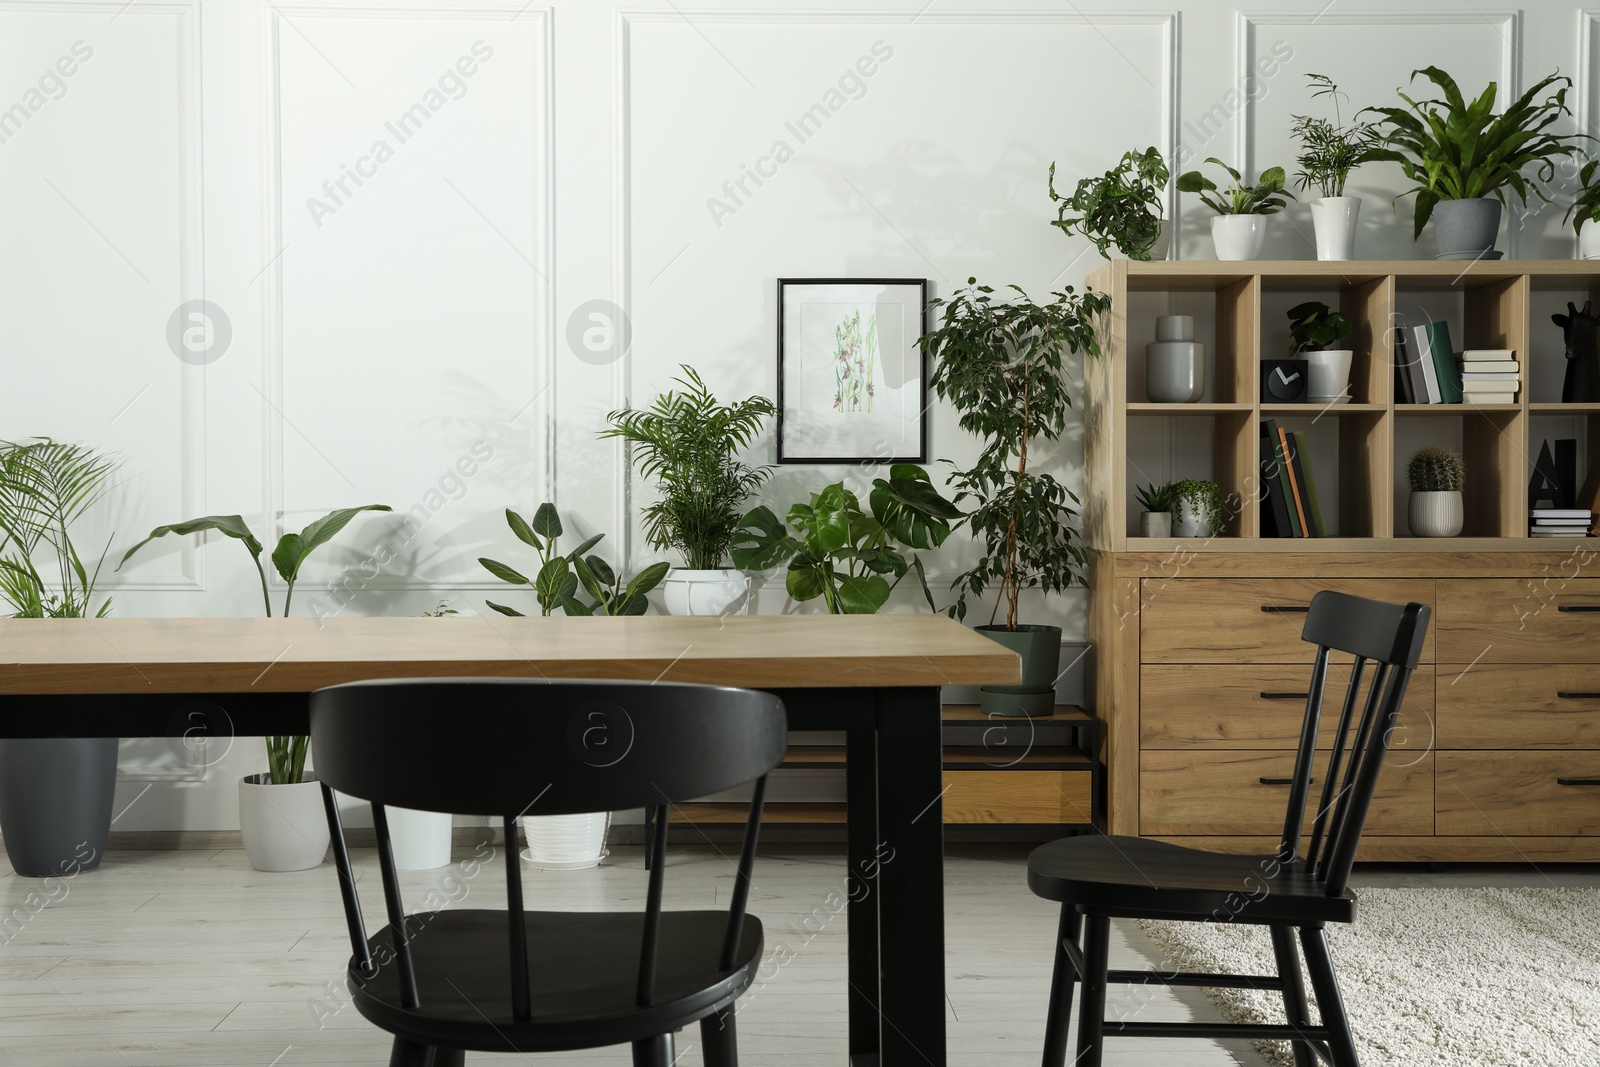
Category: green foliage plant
[1314,325]
[559,577]
[1329,151]
[1122,207]
[1586,206]
[1265,197]
[1157,498]
[1001,364]
[1204,499]
[1436,469]
[45,487]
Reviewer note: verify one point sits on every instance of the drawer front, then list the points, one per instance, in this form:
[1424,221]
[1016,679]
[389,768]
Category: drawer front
[1018,797]
[1221,794]
[1504,705]
[1518,620]
[1518,793]
[1259,706]
[1224,620]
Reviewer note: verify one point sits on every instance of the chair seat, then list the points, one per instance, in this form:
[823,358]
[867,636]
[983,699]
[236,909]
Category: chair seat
[1138,878]
[583,977]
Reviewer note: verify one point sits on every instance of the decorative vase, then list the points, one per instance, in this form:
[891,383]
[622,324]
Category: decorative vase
[1155,524]
[1238,236]
[566,842]
[420,839]
[1334,220]
[55,803]
[1589,240]
[1435,514]
[1466,229]
[1328,374]
[722,591]
[1190,519]
[1175,364]
[1040,649]
[285,827]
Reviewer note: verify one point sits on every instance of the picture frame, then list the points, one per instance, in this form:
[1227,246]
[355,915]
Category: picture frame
[852,378]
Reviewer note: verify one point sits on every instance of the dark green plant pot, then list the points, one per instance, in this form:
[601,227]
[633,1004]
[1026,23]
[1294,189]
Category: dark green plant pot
[55,803]
[1040,649]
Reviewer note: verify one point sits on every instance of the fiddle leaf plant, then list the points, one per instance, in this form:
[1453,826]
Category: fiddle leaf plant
[853,559]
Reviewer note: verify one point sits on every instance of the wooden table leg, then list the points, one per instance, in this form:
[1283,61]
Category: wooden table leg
[861,802]
[911,878]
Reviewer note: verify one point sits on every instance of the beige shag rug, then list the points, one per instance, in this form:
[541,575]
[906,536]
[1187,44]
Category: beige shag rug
[1442,977]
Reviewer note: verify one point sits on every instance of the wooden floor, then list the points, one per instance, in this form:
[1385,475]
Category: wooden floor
[190,958]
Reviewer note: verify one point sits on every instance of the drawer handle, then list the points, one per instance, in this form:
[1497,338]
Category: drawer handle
[1578,696]
[1288,781]
[1578,607]
[1296,609]
[1288,696]
[1578,781]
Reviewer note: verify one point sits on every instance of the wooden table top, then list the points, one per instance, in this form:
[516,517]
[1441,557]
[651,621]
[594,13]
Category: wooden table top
[50,656]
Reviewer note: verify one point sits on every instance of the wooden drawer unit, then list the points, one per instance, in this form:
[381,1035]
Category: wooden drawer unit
[1518,793]
[1222,793]
[1509,620]
[1233,621]
[1509,706]
[1258,706]
[1018,797]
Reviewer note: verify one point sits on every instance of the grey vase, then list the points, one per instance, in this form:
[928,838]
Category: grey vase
[1040,649]
[1465,227]
[55,803]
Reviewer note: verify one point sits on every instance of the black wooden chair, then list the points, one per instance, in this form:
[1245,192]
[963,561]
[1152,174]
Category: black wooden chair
[1097,879]
[447,981]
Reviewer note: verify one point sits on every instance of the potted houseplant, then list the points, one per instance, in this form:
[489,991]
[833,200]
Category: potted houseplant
[1000,364]
[1436,475]
[1313,328]
[55,792]
[1586,208]
[688,442]
[1158,501]
[1197,509]
[1240,225]
[1464,158]
[281,816]
[1122,207]
[1329,151]
[844,555]
[420,840]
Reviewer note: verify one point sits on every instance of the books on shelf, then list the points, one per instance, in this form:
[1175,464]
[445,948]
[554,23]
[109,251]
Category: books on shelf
[1292,505]
[1560,522]
[1490,376]
[1440,372]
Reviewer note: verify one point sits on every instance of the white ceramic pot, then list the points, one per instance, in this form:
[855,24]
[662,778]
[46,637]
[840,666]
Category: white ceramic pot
[1589,241]
[420,839]
[1334,219]
[723,591]
[1328,374]
[1436,514]
[566,842]
[284,827]
[1238,236]
[1189,522]
[1156,524]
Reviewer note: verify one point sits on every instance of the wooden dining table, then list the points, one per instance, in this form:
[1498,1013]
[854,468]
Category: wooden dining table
[877,678]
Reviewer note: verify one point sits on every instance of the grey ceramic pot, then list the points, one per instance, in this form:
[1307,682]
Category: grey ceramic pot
[1040,649]
[1466,226]
[55,803]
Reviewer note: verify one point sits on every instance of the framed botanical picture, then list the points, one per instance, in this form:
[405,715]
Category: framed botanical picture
[852,383]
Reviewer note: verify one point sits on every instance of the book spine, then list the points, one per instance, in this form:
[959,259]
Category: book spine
[1303,530]
[1275,516]
[1308,481]
[1424,359]
[1444,363]
[1291,526]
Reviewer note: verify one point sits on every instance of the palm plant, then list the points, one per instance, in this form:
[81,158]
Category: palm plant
[45,487]
[1456,150]
[1329,151]
[687,442]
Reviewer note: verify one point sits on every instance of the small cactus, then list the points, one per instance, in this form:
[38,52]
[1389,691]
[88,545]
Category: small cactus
[1436,470]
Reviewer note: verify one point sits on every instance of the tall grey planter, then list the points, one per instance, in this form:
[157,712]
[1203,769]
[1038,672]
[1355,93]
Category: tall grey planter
[55,802]
[1040,649]
[1466,227]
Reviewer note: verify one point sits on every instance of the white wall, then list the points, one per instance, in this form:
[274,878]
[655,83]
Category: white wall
[405,339]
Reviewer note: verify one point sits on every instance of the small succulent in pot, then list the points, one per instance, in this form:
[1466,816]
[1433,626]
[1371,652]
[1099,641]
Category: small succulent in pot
[1436,469]
[1122,207]
[1265,197]
[1159,500]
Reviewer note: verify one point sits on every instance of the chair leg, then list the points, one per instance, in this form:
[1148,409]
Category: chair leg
[410,1054]
[449,1057]
[719,1039]
[1092,1005]
[653,1052]
[1297,1011]
[649,837]
[1063,979]
[1326,985]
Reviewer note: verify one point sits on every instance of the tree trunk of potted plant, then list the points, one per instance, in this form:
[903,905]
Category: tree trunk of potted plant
[55,803]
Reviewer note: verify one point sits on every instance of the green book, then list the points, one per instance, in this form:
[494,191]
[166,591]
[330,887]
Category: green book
[1444,362]
[1269,428]
[1303,457]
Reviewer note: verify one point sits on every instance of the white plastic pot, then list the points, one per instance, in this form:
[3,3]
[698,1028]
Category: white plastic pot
[723,591]
[420,839]
[1238,236]
[566,842]
[1589,240]
[1334,220]
[284,827]
[1328,373]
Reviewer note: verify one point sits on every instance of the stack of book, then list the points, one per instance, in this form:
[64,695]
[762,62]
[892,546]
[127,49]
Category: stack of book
[1490,376]
[1559,522]
[1291,505]
[1426,371]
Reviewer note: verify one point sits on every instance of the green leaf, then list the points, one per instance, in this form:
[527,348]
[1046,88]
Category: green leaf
[546,523]
[229,525]
[645,581]
[525,534]
[575,607]
[586,546]
[287,556]
[805,582]
[551,578]
[591,581]
[863,596]
[502,572]
[315,535]
[502,609]
[633,605]
[601,570]
[762,542]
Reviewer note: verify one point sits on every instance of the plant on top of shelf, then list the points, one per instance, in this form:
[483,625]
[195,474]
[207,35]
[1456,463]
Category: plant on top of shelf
[688,443]
[1436,475]
[1199,508]
[1122,207]
[1460,154]
[556,581]
[1314,325]
[1239,226]
[1586,208]
[845,555]
[1329,151]
[1001,365]
[1158,500]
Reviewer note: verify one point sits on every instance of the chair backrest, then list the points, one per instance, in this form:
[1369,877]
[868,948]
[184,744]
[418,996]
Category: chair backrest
[1386,641]
[514,747]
